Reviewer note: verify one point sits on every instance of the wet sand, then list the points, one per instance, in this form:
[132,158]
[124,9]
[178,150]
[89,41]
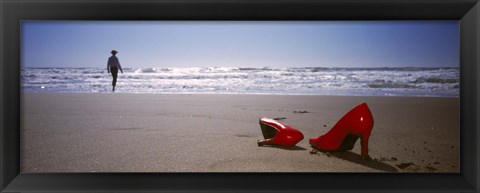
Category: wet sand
[115,132]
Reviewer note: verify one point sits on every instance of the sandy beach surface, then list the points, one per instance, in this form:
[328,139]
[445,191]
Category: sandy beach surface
[116,132]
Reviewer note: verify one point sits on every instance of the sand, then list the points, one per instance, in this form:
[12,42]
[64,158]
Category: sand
[117,132]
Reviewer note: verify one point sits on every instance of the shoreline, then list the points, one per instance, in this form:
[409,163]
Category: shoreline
[226,93]
[207,80]
[127,132]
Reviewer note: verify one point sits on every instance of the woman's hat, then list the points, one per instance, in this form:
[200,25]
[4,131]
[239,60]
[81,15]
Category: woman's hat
[114,51]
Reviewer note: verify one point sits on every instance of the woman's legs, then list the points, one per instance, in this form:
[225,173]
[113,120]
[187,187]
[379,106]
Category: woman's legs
[114,75]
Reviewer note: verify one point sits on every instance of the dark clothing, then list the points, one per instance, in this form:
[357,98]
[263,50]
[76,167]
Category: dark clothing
[114,75]
[113,62]
[113,66]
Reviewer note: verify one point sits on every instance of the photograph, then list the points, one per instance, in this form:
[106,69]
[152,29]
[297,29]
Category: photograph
[204,96]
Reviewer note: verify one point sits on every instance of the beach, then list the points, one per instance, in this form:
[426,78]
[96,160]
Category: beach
[127,132]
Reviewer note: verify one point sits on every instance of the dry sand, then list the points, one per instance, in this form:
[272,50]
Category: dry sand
[115,132]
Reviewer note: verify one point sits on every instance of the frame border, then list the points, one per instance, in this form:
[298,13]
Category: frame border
[14,11]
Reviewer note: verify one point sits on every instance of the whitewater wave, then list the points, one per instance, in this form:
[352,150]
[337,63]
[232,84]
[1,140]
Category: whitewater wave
[443,82]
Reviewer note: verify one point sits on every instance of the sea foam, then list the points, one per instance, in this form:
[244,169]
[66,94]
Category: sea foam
[437,82]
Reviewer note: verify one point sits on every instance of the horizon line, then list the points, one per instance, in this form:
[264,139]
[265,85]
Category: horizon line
[263,67]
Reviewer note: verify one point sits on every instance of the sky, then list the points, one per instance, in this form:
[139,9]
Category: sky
[167,44]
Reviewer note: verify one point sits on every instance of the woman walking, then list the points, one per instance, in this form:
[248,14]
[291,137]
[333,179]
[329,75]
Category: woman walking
[113,66]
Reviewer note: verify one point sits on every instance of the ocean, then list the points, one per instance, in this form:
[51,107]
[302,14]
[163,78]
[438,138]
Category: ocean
[431,82]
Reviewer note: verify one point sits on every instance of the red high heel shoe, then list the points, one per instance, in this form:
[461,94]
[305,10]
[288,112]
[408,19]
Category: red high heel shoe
[357,123]
[277,133]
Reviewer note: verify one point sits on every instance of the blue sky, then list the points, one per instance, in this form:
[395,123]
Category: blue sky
[166,44]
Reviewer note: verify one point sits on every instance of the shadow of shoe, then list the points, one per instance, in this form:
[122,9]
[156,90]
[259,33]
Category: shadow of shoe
[355,158]
[293,148]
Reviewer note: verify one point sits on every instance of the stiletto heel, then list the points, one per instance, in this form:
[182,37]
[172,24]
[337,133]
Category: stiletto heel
[364,147]
[278,133]
[357,123]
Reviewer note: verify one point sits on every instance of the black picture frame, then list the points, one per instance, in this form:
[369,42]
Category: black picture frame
[12,12]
